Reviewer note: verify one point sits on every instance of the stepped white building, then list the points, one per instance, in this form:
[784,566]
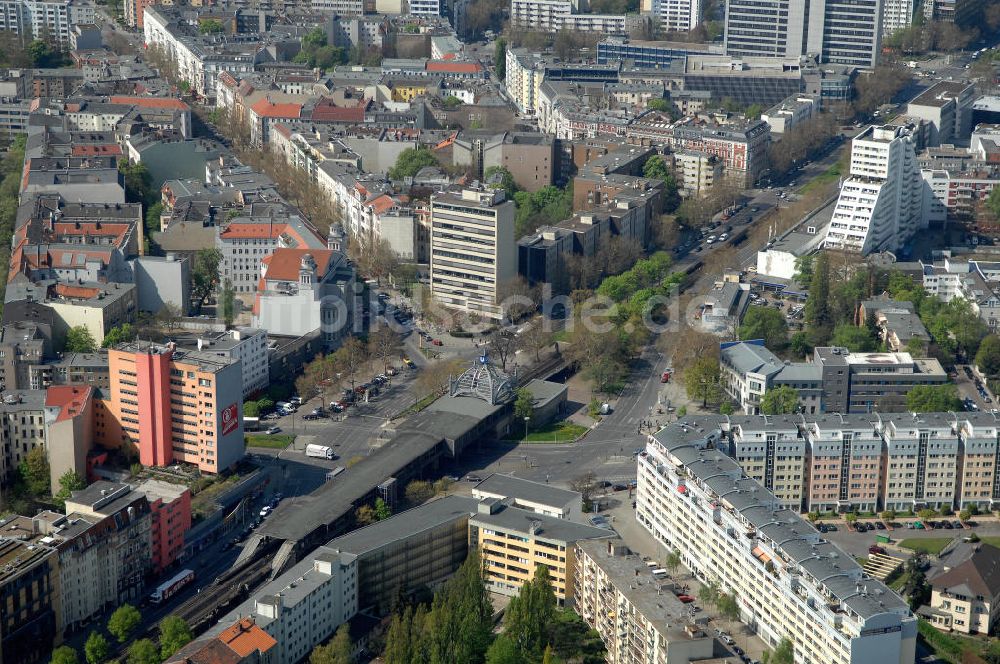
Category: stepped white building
[880,204]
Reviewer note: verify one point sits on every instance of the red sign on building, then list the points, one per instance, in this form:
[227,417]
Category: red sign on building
[229,419]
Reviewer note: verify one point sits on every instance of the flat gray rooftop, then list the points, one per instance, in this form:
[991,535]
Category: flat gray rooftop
[509,486]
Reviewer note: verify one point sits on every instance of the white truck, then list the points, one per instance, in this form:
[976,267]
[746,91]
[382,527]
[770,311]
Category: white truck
[320,452]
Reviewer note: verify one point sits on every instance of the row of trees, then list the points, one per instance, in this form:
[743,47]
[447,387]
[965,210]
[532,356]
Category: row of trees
[381,345]
[458,626]
[122,625]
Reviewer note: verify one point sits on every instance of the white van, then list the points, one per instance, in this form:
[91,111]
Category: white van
[660,574]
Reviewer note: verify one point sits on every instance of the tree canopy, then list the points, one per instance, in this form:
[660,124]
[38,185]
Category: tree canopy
[765,323]
[701,380]
[123,622]
[410,161]
[781,400]
[988,355]
[174,635]
[933,399]
[79,340]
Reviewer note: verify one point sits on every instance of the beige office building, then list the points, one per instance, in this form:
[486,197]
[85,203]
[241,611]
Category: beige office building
[472,250]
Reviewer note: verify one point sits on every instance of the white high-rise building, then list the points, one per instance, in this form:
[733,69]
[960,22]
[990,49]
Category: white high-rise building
[472,249]
[880,204]
[897,14]
[839,31]
[787,579]
[40,19]
[677,15]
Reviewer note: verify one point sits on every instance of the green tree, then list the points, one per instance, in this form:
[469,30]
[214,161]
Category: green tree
[530,613]
[227,301]
[205,275]
[661,105]
[781,400]
[933,399]
[337,651]
[673,561]
[69,482]
[210,26]
[701,379]
[889,515]
[143,651]
[655,168]
[765,323]
[988,355]
[451,102]
[504,180]
[727,408]
[783,654]
[123,622]
[710,592]
[34,471]
[853,338]
[79,340]
[992,202]
[365,515]
[817,311]
[174,635]
[419,491]
[382,510]
[138,183]
[728,608]
[119,334]
[153,214]
[504,651]
[64,655]
[753,111]
[410,161]
[96,649]
[251,409]
[799,345]
[524,405]
[500,58]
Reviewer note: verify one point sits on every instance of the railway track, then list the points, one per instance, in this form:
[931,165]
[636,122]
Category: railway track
[230,588]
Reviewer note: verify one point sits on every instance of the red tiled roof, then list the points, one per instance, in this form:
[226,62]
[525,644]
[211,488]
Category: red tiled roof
[152,102]
[454,67]
[381,204]
[96,150]
[259,231]
[80,292]
[329,113]
[284,263]
[245,637]
[266,109]
[70,399]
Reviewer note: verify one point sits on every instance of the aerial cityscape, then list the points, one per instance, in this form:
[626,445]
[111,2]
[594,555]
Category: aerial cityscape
[500,331]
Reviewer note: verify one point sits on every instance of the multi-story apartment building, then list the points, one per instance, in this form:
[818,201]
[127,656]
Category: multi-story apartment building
[788,581]
[741,146]
[844,464]
[677,15]
[189,405]
[246,344]
[946,107]
[23,347]
[246,240]
[513,542]
[617,595]
[40,19]
[22,428]
[880,204]
[791,112]
[696,171]
[897,15]
[522,77]
[30,593]
[867,461]
[921,462]
[836,31]
[170,519]
[304,606]
[472,250]
[773,455]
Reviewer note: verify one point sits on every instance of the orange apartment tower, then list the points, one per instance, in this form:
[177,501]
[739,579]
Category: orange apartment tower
[173,405]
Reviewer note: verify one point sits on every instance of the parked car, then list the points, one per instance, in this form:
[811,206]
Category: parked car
[473,478]
[875,548]
[273,430]
[437,342]
[685,599]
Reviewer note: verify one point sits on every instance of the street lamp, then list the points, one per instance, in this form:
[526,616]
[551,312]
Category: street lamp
[526,428]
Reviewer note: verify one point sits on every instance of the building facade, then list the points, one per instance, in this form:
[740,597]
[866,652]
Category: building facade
[787,580]
[30,593]
[189,404]
[880,204]
[472,250]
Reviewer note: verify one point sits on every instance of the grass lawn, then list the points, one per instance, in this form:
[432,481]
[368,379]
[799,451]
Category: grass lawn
[931,545]
[277,441]
[560,432]
[829,175]
[994,541]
